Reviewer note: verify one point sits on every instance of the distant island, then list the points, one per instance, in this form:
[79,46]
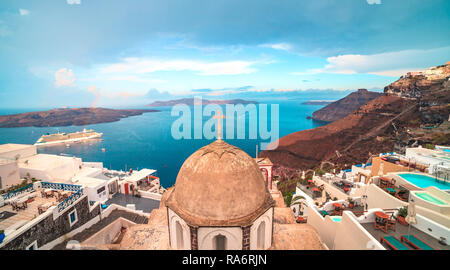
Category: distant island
[67,117]
[343,107]
[190,102]
[318,102]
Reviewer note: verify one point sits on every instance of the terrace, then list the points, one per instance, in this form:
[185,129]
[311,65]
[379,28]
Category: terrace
[401,230]
[27,203]
[400,192]
[35,200]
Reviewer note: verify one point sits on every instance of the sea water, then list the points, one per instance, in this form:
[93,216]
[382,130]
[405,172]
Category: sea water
[145,141]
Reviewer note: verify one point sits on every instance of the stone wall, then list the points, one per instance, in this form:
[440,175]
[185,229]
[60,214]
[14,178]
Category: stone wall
[246,238]
[194,238]
[48,229]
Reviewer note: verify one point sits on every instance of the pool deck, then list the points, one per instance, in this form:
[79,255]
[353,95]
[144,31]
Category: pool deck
[403,230]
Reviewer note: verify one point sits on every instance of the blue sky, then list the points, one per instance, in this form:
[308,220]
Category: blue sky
[58,53]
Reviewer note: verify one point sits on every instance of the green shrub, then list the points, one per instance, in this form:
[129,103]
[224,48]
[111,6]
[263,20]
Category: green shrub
[429,146]
[403,212]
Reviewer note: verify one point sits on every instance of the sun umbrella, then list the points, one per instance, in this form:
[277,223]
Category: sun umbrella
[411,217]
[381,170]
[324,196]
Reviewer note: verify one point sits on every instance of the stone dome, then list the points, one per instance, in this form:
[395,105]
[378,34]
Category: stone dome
[220,185]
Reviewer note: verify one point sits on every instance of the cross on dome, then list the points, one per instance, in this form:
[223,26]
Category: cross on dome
[219,116]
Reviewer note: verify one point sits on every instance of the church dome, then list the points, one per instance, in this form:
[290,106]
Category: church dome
[220,185]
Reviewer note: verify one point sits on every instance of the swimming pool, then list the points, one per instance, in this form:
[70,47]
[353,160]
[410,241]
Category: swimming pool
[424,181]
[336,218]
[430,198]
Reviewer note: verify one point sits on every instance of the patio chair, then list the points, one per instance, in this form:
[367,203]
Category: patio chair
[14,206]
[392,222]
[415,242]
[402,195]
[393,243]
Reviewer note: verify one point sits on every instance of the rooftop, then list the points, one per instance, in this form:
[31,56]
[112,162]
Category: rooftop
[115,214]
[136,176]
[4,148]
[144,204]
[403,230]
[264,161]
[87,181]
[27,214]
[4,161]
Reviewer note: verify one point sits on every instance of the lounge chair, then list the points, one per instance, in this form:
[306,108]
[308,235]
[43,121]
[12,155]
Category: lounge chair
[393,243]
[415,242]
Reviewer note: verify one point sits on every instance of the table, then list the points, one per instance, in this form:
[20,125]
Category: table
[381,221]
[338,208]
[48,192]
[43,207]
[337,205]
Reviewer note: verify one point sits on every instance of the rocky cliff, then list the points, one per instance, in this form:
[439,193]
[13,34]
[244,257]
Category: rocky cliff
[67,117]
[343,107]
[414,110]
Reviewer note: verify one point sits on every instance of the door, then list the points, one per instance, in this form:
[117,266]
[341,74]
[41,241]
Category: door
[126,188]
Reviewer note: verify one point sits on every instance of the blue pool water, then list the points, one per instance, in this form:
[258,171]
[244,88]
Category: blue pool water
[446,150]
[424,181]
[336,218]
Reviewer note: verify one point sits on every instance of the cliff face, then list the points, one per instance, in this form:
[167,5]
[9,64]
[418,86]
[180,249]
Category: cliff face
[389,122]
[343,107]
[67,117]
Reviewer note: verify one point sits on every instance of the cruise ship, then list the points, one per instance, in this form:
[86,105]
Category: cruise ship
[56,138]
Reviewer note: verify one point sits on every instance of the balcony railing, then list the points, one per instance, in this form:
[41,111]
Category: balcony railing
[70,200]
[61,186]
[17,192]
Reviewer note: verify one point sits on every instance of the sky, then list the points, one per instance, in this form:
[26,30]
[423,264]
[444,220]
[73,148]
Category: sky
[56,53]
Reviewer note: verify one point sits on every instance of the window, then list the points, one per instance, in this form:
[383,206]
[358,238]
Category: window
[33,246]
[100,190]
[73,218]
[261,235]
[179,235]
[220,242]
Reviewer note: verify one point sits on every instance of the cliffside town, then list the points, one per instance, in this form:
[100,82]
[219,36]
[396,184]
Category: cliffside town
[413,111]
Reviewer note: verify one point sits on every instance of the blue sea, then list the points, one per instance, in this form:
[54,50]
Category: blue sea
[145,141]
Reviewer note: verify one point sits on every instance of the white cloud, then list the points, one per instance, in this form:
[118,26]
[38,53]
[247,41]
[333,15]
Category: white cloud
[145,65]
[386,64]
[279,46]
[74,2]
[24,12]
[376,2]
[64,77]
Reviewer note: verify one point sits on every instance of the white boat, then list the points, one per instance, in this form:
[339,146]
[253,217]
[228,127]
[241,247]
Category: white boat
[57,138]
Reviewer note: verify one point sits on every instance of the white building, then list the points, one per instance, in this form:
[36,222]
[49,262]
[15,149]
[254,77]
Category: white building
[9,173]
[437,160]
[9,156]
[51,168]
[17,151]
